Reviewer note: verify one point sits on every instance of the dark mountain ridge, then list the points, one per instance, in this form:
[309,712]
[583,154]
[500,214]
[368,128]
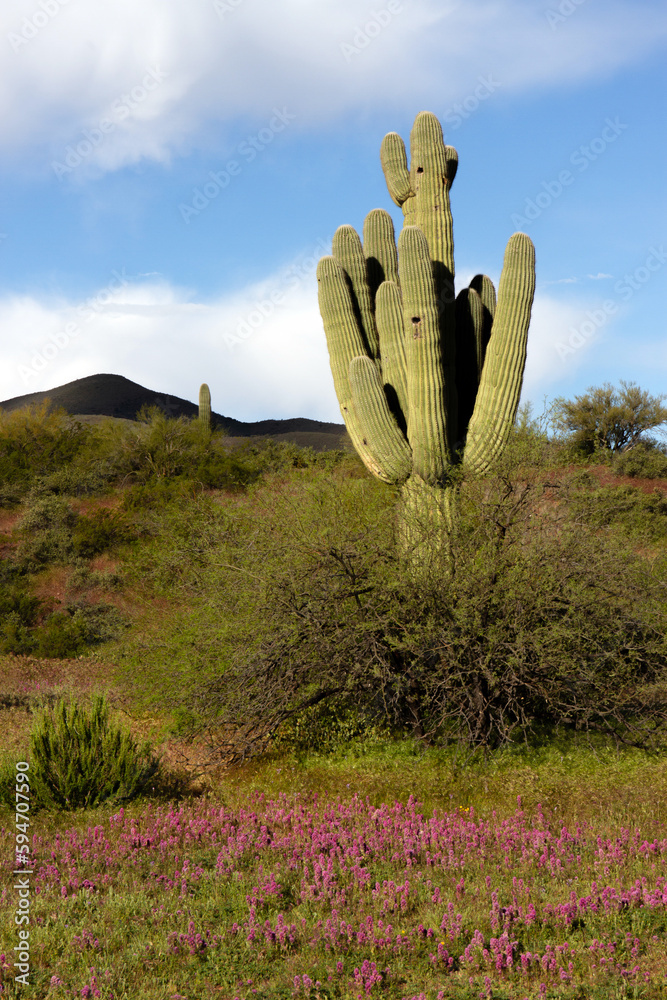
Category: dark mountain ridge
[117,396]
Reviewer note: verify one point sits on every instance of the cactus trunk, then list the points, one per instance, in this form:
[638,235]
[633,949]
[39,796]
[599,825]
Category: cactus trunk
[205,407]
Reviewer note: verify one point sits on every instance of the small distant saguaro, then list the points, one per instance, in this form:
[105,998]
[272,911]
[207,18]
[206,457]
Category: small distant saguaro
[205,406]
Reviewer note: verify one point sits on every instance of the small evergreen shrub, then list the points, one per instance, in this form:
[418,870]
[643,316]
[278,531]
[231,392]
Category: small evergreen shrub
[15,636]
[155,494]
[18,615]
[99,531]
[36,442]
[77,760]
[61,637]
[646,461]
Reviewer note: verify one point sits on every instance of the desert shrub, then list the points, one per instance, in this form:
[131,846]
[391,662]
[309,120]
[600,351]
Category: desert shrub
[15,636]
[100,622]
[83,577]
[156,494]
[34,442]
[19,611]
[98,531]
[78,760]
[43,512]
[158,448]
[62,636]
[646,460]
[532,618]
[640,516]
[29,627]
[52,532]
[73,480]
[11,495]
[16,600]
[606,420]
[45,532]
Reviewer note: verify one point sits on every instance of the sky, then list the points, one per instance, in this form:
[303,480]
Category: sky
[171,172]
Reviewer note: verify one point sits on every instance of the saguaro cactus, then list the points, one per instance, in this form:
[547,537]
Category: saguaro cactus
[425,380]
[205,406]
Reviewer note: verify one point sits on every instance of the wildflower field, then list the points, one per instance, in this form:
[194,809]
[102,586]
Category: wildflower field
[257,893]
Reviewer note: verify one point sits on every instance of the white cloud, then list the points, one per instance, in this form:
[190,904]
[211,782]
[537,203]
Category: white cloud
[90,61]
[277,365]
[551,356]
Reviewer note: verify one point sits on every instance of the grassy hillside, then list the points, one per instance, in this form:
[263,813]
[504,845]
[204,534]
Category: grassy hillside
[245,611]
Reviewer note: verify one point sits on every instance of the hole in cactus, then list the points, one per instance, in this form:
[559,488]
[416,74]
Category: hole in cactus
[416,319]
[420,170]
[365,441]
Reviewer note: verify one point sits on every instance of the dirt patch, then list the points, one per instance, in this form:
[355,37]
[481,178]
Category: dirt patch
[606,477]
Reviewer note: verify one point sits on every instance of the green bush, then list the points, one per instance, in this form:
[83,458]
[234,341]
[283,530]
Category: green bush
[15,636]
[77,760]
[34,442]
[61,637]
[52,532]
[64,633]
[46,511]
[647,460]
[45,532]
[605,420]
[94,533]
[158,447]
[18,614]
[639,516]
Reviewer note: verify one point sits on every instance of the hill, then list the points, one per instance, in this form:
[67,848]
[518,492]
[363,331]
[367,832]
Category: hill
[115,396]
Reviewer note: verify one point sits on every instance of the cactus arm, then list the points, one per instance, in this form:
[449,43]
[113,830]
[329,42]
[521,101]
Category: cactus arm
[345,342]
[381,433]
[427,391]
[395,167]
[470,349]
[391,330]
[483,285]
[347,249]
[380,248]
[502,375]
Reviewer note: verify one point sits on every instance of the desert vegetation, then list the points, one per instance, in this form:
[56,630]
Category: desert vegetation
[443,785]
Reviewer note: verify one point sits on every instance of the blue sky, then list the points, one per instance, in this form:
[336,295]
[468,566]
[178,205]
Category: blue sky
[170,175]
